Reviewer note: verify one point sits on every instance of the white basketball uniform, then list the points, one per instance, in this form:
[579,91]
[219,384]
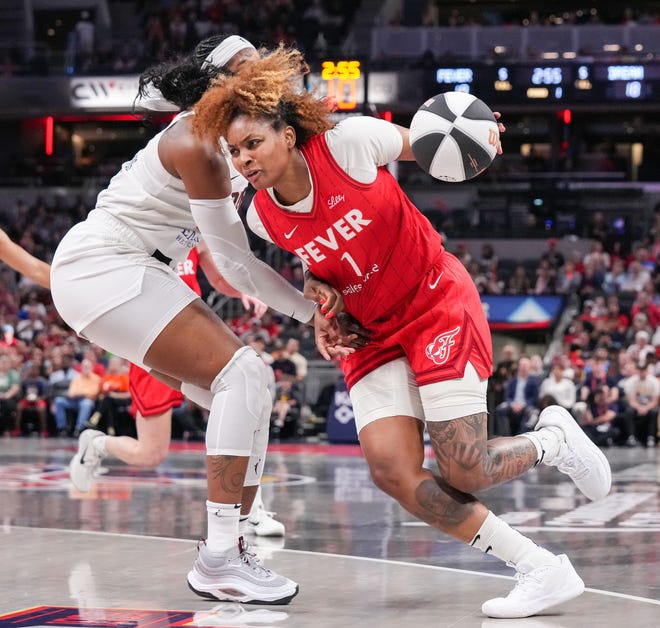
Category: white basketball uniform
[112,275]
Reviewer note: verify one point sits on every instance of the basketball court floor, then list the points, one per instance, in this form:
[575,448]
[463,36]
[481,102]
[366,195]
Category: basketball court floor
[119,555]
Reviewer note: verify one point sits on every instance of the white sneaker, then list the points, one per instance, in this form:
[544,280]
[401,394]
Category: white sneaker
[84,466]
[578,456]
[262,522]
[537,590]
[237,575]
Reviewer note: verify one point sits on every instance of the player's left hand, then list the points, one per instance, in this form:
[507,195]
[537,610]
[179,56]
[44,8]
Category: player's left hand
[338,337]
[329,298]
[251,304]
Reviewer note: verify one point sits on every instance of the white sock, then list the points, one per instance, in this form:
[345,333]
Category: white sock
[547,441]
[222,526]
[498,538]
[243,525]
[98,443]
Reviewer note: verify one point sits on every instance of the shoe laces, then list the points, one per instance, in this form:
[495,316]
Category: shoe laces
[250,558]
[526,583]
[571,464]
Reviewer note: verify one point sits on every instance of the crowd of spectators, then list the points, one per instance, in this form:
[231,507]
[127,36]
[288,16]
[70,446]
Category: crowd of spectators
[166,29]
[606,372]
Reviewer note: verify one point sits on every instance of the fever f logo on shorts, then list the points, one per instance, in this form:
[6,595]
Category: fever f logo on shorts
[438,351]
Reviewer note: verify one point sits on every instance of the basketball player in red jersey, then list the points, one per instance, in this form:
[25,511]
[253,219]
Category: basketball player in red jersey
[323,194]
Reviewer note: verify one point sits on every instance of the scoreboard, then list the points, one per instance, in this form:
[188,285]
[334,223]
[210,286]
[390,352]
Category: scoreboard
[350,85]
[593,82]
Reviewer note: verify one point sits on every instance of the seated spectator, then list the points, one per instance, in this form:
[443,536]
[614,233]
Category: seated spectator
[516,413]
[270,324]
[187,422]
[559,386]
[502,373]
[636,277]
[281,364]
[30,328]
[642,393]
[292,349]
[81,398]
[599,419]
[639,322]
[8,337]
[488,259]
[644,303]
[598,258]
[592,280]
[494,285]
[285,417]
[461,252]
[545,279]
[33,399]
[10,391]
[552,255]
[519,282]
[615,278]
[641,349]
[479,278]
[114,397]
[568,279]
[255,330]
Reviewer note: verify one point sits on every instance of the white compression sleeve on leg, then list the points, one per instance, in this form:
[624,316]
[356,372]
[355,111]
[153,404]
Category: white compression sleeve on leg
[260,443]
[225,236]
[201,396]
[236,410]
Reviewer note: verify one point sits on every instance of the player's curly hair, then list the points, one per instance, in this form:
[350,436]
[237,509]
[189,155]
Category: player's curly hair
[267,88]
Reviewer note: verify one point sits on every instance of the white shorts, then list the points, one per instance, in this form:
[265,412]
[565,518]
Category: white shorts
[391,390]
[110,290]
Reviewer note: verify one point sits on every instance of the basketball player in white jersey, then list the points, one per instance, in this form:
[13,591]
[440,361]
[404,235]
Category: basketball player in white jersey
[153,433]
[113,282]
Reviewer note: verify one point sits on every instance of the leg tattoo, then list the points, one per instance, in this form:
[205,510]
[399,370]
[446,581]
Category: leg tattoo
[469,462]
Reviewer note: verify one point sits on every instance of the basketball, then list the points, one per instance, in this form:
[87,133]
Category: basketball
[454,136]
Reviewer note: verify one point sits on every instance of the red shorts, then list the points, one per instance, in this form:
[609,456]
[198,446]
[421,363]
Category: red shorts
[149,395]
[38,403]
[438,329]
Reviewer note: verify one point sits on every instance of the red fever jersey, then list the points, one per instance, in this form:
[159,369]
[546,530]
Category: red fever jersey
[370,242]
[148,394]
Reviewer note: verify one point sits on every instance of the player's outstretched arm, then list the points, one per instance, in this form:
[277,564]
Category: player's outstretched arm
[23,262]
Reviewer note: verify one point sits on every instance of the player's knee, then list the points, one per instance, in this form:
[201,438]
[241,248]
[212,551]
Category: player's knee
[387,478]
[245,370]
[153,455]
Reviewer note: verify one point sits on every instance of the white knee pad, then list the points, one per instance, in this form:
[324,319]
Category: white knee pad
[260,443]
[237,406]
[201,396]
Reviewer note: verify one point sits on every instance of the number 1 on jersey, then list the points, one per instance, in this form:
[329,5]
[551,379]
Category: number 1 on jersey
[351,261]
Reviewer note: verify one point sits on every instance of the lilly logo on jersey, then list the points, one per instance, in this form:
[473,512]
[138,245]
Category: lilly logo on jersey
[334,200]
[439,350]
[346,228]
